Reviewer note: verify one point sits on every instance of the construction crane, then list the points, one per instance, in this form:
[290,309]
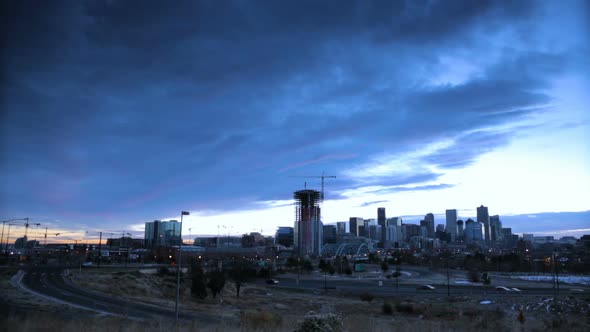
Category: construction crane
[27,226]
[317,176]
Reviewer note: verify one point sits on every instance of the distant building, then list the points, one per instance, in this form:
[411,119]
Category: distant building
[451,223]
[375,233]
[341,228]
[354,224]
[429,224]
[381,222]
[410,230]
[527,237]
[484,218]
[253,239]
[162,233]
[365,230]
[394,235]
[460,230]
[308,226]
[473,231]
[495,229]
[284,236]
[329,234]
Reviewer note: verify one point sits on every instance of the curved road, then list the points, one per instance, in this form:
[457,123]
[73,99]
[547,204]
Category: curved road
[50,283]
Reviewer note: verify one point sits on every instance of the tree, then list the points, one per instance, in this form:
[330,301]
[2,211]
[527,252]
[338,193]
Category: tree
[239,273]
[198,288]
[307,267]
[216,282]
[384,266]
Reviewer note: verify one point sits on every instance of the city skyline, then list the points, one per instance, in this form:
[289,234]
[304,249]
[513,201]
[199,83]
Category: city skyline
[110,119]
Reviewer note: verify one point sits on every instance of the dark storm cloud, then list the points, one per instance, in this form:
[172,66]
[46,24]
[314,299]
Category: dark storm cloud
[134,108]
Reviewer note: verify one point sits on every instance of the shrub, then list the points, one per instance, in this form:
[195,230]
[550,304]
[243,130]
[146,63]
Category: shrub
[163,271]
[260,321]
[366,297]
[387,309]
[313,322]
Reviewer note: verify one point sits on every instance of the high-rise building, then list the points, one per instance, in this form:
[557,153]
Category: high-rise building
[428,222]
[341,228]
[410,230]
[354,224]
[394,235]
[329,234]
[364,231]
[451,223]
[375,232]
[484,218]
[284,236]
[381,221]
[162,233]
[495,229]
[308,225]
[460,230]
[473,231]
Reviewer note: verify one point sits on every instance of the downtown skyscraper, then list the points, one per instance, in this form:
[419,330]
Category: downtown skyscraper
[451,223]
[484,217]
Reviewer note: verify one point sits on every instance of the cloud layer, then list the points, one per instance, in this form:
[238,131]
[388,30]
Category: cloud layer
[127,110]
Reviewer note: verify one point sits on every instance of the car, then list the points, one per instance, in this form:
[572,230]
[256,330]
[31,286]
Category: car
[503,289]
[515,289]
[87,264]
[272,281]
[425,287]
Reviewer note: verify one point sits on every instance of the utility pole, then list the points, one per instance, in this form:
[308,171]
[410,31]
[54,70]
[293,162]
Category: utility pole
[182,213]
[448,280]
[99,249]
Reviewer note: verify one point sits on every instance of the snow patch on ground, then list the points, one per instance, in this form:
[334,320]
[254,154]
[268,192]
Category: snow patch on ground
[572,280]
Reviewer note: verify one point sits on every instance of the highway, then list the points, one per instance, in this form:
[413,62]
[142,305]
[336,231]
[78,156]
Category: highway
[49,283]
[388,288]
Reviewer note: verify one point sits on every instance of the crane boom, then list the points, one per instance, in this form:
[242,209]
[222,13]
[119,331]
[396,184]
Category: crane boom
[317,176]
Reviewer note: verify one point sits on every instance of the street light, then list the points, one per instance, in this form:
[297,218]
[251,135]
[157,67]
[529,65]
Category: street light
[178,261]
[2,237]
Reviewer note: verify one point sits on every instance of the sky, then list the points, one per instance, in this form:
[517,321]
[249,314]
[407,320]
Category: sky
[116,113]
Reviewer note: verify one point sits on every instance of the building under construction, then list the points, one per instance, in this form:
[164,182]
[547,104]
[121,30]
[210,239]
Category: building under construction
[308,224]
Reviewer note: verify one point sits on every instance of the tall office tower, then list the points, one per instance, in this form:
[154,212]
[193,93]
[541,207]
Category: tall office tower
[284,236]
[308,225]
[429,223]
[460,232]
[410,230]
[451,224]
[365,230]
[394,235]
[473,231]
[354,223]
[484,218]
[395,221]
[162,233]
[381,220]
[495,229]
[341,228]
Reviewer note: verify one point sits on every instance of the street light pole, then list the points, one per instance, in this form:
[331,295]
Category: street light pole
[2,237]
[178,261]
